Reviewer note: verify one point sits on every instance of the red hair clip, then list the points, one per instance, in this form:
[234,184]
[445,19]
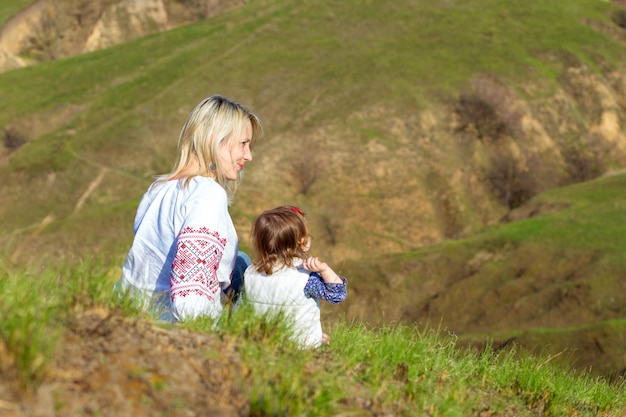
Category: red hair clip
[297,210]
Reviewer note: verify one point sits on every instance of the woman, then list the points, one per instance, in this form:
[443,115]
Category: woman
[185,246]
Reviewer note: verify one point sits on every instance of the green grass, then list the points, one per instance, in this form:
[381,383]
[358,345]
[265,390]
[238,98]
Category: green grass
[27,336]
[529,279]
[592,219]
[588,217]
[420,46]
[407,370]
[36,305]
[9,7]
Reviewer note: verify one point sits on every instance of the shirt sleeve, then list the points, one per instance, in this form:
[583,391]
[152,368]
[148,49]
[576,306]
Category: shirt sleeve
[332,292]
[196,275]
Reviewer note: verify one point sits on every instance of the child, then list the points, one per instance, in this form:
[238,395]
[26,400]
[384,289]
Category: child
[282,278]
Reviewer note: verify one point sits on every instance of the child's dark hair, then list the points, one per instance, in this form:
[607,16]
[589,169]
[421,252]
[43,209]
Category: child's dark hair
[278,236]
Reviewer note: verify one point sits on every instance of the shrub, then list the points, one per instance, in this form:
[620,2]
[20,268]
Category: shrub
[583,164]
[44,42]
[619,18]
[13,138]
[513,183]
[305,172]
[196,9]
[489,108]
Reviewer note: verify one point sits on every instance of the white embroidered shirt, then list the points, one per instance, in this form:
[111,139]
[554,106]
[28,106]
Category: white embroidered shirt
[184,248]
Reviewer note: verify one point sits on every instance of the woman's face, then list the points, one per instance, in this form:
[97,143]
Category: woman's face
[235,152]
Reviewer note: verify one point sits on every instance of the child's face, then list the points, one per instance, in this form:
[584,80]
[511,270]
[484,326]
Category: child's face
[307,244]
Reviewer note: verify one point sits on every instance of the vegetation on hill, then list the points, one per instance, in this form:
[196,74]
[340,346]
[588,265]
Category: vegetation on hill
[550,279]
[429,142]
[69,348]
[394,126]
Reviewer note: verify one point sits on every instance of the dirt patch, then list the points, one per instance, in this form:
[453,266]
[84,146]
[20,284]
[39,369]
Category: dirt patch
[619,2]
[107,365]
[48,30]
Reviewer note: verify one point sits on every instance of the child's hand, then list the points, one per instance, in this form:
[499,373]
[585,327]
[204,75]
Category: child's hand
[315,265]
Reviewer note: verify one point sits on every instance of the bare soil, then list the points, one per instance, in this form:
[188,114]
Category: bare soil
[108,365]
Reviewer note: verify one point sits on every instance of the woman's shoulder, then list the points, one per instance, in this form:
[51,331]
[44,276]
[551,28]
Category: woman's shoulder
[199,181]
[202,191]
[205,188]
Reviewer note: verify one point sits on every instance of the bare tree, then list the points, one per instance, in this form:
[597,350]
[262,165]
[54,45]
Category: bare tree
[330,227]
[587,162]
[196,9]
[305,171]
[43,44]
[513,183]
[489,107]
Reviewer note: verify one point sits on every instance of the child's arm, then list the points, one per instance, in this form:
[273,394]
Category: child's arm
[313,264]
[324,283]
[319,289]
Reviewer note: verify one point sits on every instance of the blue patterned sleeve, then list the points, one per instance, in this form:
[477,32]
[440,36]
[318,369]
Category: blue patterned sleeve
[317,288]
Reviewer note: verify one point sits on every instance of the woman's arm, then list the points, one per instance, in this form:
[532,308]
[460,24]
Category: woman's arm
[203,255]
[194,285]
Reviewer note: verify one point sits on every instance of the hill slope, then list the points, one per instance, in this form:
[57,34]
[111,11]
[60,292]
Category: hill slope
[394,126]
[44,30]
[368,97]
[106,363]
[551,281]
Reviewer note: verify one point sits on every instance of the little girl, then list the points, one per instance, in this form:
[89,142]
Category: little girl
[283,278]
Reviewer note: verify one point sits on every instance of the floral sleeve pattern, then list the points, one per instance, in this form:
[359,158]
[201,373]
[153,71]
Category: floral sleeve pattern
[194,270]
[317,288]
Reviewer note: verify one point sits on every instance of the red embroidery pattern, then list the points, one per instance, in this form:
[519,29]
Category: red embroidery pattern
[194,270]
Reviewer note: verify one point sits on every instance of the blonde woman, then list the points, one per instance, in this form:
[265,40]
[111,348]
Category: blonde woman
[185,247]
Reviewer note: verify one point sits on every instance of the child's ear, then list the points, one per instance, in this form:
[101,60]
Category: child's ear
[305,243]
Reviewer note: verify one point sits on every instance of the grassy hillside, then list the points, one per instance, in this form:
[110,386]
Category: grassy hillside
[339,88]
[399,111]
[551,280]
[69,348]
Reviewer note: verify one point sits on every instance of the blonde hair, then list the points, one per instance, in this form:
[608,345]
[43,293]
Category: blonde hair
[279,236]
[214,120]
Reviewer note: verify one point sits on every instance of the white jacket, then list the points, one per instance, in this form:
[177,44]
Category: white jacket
[284,291]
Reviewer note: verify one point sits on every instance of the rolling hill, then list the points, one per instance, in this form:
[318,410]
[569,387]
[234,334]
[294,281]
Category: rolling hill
[416,136]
